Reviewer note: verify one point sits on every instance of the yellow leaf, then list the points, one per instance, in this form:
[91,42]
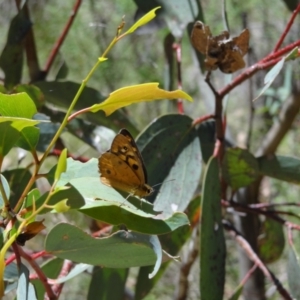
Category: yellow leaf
[142,21]
[137,93]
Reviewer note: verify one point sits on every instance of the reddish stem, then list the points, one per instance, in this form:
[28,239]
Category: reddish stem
[62,37]
[57,288]
[287,29]
[263,64]
[203,119]
[42,277]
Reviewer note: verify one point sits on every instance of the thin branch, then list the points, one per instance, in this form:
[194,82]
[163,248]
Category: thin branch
[263,64]
[67,266]
[255,258]
[270,205]
[202,119]
[185,269]
[287,29]
[62,37]
[39,272]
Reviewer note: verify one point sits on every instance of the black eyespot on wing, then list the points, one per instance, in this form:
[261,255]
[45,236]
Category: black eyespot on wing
[108,172]
[135,166]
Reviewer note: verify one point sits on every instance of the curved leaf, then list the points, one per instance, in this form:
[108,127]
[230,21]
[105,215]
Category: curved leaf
[17,105]
[6,189]
[106,204]
[284,168]
[240,168]
[171,151]
[61,94]
[135,94]
[142,21]
[61,166]
[212,245]
[120,250]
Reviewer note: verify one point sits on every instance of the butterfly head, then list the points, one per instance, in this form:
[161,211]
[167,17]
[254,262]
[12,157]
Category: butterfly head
[143,191]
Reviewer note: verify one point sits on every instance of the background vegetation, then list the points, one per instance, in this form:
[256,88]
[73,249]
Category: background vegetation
[265,127]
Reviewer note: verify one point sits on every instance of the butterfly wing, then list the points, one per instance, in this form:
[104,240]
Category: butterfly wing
[242,41]
[125,147]
[200,35]
[122,166]
[117,173]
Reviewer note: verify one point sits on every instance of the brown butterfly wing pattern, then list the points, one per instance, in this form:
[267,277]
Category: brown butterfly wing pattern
[221,51]
[122,166]
[200,35]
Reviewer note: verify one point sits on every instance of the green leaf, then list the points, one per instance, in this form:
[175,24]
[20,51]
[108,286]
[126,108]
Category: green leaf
[237,293]
[11,277]
[112,207]
[25,288]
[171,243]
[51,269]
[107,283]
[78,269]
[212,245]
[11,59]
[293,272]
[271,241]
[121,250]
[33,92]
[17,179]
[10,129]
[284,168]
[240,167]
[207,133]
[75,199]
[6,190]
[273,73]
[171,151]
[29,138]
[61,166]
[135,94]
[47,132]
[17,105]
[18,123]
[8,138]
[133,218]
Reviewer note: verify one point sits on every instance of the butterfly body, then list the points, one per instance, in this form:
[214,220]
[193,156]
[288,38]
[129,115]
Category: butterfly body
[122,166]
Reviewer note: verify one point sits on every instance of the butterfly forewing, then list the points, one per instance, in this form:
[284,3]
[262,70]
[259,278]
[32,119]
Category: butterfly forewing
[122,166]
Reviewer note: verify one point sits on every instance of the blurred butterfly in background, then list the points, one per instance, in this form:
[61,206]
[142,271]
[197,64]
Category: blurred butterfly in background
[221,51]
[122,166]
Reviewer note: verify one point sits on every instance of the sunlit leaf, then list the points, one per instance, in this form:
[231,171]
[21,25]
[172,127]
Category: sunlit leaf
[142,21]
[17,105]
[134,94]
[240,168]
[61,164]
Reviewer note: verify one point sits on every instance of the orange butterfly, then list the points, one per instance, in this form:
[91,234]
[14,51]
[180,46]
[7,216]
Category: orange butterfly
[122,166]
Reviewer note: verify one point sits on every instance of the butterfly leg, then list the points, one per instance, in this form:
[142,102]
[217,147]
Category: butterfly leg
[126,199]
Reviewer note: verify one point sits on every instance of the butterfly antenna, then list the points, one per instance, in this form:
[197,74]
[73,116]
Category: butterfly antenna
[162,183]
